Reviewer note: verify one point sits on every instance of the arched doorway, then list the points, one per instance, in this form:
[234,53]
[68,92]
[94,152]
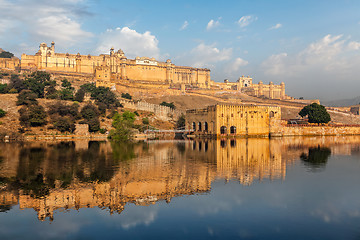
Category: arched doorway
[194,126]
[223,130]
[199,126]
[206,126]
[232,130]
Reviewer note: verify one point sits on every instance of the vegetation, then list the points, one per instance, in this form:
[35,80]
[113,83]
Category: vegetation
[4,88]
[180,123]
[32,115]
[145,121]
[316,113]
[5,54]
[2,113]
[66,92]
[64,124]
[170,105]
[26,97]
[123,124]
[91,115]
[126,96]
[37,82]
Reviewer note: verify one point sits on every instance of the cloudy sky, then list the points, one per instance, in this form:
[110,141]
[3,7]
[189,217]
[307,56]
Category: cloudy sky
[313,46]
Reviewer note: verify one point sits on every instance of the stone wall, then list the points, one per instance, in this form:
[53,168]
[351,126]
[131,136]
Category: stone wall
[162,112]
[296,130]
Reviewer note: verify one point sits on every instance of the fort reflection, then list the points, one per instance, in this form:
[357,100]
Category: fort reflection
[72,175]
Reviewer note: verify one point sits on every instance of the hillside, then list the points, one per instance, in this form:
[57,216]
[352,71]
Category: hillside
[342,102]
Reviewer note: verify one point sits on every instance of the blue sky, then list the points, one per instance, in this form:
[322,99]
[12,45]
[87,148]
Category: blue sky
[313,46]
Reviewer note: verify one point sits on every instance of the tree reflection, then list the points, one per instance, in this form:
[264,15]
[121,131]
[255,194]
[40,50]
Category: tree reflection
[316,158]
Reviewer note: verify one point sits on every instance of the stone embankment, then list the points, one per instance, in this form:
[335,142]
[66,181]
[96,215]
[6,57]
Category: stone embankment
[306,130]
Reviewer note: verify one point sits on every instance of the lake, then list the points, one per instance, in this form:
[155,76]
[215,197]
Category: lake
[286,188]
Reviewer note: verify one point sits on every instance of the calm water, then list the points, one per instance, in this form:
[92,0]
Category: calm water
[291,188]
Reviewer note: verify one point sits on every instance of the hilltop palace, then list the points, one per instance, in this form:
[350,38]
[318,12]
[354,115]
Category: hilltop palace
[110,69]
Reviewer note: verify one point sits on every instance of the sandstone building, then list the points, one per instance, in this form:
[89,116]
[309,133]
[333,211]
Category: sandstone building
[245,85]
[116,66]
[233,120]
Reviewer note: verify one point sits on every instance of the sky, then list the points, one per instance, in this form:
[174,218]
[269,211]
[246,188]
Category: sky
[311,46]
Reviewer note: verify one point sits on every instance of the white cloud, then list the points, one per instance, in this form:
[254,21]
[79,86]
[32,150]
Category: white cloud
[212,24]
[354,45]
[184,26]
[204,55]
[330,62]
[276,26]
[246,20]
[235,65]
[130,41]
[43,21]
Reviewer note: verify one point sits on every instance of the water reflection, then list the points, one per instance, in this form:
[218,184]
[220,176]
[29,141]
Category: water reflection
[73,175]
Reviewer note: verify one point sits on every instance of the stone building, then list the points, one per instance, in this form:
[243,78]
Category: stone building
[233,120]
[245,85]
[9,63]
[116,67]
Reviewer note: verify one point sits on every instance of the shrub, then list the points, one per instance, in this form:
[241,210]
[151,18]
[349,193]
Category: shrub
[89,111]
[26,97]
[64,110]
[166,104]
[16,83]
[4,88]
[126,96]
[180,123]
[66,94]
[13,90]
[33,115]
[145,121]
[64,124]
[79,95]
[94,124]
[2,113]
[103,130]
[37,82]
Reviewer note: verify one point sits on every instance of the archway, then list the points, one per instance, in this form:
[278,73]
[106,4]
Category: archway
[223,130]
[194,126]
[206,126]
[232,130]
[199,126]
[272,114]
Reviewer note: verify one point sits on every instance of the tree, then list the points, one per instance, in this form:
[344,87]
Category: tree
[80,94]
[33,115]
[2,113]
[4,88]
[126,96]
[26,97]
[170,105]
[123,124]
[145,121]
[180,123]
[16,83]
[316,113]
[37,82]
[89,111]
[5,54]
[51,92]
[64,124]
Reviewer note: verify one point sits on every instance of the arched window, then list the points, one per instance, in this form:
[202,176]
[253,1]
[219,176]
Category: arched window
[233,143]
[232,130]
[272,114]
[223,143]
[199,126]
[223,130]
[206,126]
[194,126]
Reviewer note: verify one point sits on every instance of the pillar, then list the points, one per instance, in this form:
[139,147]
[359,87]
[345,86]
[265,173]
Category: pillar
[271,90]
[282,90]
[261,90]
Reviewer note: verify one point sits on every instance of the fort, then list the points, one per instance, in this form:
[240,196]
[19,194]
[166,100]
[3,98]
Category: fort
[113,67]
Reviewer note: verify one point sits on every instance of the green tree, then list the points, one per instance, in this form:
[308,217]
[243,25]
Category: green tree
[4,88]
[166,104]
[64,124]
[123,124]
[37,82]
[5,54]
[145,121]
[79,95]
[16,83]
[316,113]
[2,113]
[126,96]
[89,111]
[26,97]
[51,92]
[180,123]
[33,115]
